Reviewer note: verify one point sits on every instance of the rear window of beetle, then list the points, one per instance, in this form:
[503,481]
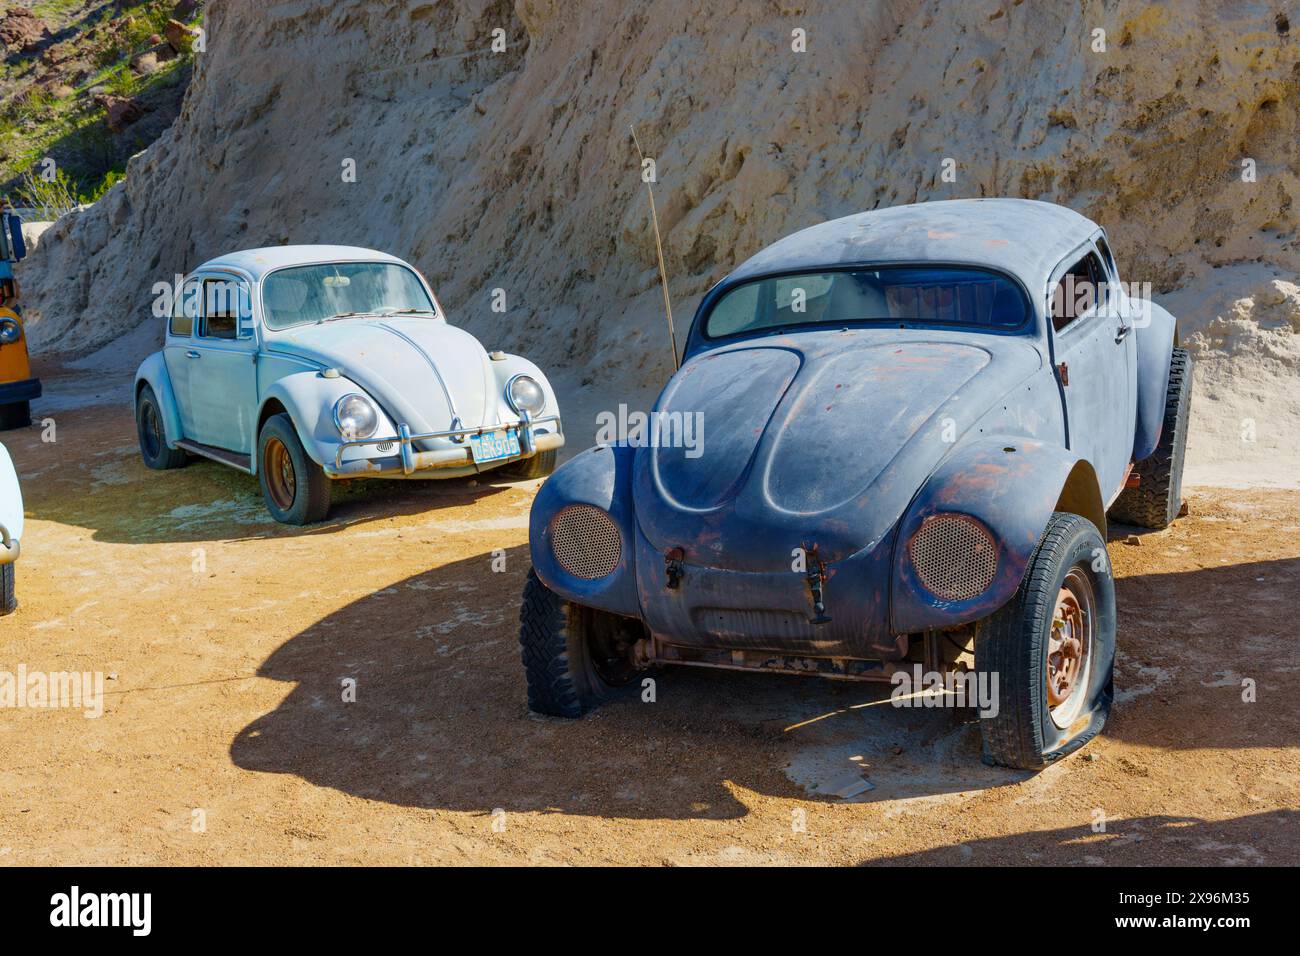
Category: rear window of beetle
[978,299]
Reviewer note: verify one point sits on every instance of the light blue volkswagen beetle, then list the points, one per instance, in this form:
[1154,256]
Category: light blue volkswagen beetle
[305,364]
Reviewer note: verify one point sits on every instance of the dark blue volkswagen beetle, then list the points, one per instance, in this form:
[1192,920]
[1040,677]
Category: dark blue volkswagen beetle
[916,422]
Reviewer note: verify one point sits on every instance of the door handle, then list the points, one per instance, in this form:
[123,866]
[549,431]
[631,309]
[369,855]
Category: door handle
[1122,332]
[192,354]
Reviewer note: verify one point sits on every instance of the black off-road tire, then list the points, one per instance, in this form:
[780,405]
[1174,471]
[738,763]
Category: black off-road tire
[311,498]
[555,639]
[153,439]
[539,465]
[8,599]
[1013,642]
[1158,498]
[15,415]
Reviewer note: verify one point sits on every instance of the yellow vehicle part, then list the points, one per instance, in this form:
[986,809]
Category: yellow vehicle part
[15,366]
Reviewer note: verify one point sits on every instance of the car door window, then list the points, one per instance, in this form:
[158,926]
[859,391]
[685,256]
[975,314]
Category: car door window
[222,306]
[1078,293]
[1110,289]
[185,309]
[1106,257]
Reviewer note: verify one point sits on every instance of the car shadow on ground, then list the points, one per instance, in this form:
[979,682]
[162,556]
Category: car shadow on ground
[1269,838]
[1207,658]
[440,719]
[92,476]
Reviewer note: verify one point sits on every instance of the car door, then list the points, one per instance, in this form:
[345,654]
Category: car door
[179,347]
[1093,366]
[1124,318]
[223,367]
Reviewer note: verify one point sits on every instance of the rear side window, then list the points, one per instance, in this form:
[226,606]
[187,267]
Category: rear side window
[222,300]
[890,295]
[1080,290]
[186,309]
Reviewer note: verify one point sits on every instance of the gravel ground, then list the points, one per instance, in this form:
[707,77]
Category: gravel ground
[226,639]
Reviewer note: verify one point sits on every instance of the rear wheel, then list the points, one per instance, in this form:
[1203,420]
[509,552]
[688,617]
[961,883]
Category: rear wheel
[15,415]
[1051,649]
[153,439]
[296,489]
[538,466]
[574,657]
[1158,497]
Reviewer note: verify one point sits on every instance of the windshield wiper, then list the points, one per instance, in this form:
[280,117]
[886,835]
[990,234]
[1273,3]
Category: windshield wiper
[342,315]
[388,312]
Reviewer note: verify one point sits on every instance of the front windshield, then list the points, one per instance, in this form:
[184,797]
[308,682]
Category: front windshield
[319,293]
[899,295]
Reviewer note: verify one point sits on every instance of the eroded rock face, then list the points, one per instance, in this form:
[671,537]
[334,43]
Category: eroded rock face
[20,31]
[120,111]
[516,169]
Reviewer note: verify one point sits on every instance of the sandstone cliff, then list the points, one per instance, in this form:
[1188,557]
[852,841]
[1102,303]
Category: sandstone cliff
[515,170]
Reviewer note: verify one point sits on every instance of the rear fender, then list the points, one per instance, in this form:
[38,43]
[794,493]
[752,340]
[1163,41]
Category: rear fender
[1156,334]
[1011,485]
[601,477]
[153,372]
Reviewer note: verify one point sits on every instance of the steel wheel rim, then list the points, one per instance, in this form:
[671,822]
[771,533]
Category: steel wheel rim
[1069,648]
[277,466]
[150,433]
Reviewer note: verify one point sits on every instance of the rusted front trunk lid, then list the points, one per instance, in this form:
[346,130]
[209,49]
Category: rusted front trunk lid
[816,440]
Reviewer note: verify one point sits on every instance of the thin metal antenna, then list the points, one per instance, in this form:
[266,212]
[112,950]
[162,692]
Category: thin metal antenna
[659,248]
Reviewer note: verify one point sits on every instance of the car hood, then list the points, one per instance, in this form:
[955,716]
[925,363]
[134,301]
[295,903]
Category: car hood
[423,371]
[818,438]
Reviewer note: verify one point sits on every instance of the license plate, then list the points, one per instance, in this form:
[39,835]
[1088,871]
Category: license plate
[491,446]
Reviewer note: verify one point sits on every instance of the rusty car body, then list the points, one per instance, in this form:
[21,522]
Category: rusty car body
[917,420]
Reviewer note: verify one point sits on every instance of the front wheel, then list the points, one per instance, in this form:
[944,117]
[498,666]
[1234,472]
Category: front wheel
[8,599]
[1049,653]
[574,657]
[539,465]
[296,489]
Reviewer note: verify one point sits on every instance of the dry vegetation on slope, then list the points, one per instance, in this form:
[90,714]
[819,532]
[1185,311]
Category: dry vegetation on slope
[84,84]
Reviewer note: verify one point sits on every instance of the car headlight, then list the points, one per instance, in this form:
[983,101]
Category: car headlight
[10,331]
[525,395]
[355,416]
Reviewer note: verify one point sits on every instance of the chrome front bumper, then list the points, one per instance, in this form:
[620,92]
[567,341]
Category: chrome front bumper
[9,547]
[448,461]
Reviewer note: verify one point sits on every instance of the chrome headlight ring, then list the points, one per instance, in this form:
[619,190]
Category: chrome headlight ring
[525,394]
[355,416]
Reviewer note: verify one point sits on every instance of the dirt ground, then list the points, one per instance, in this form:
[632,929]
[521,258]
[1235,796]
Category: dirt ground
[226,638]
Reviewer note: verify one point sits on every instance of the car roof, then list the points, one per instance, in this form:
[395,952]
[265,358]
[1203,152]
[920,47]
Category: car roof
[1023,237]
[258,262]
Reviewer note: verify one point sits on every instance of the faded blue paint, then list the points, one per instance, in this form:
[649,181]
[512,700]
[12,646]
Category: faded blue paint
[1154,341]
[1009,483]
[419,371]
[848,438]
[601,477]
[153,372]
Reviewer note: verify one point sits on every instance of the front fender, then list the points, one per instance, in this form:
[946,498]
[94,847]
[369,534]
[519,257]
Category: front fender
[11,501]
[1156,332]
[1011,485]
[508,366]
[601,477]
[309,398]
[153,372]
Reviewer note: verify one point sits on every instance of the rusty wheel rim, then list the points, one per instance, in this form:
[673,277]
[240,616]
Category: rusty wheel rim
[1069,648]
[278,468]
